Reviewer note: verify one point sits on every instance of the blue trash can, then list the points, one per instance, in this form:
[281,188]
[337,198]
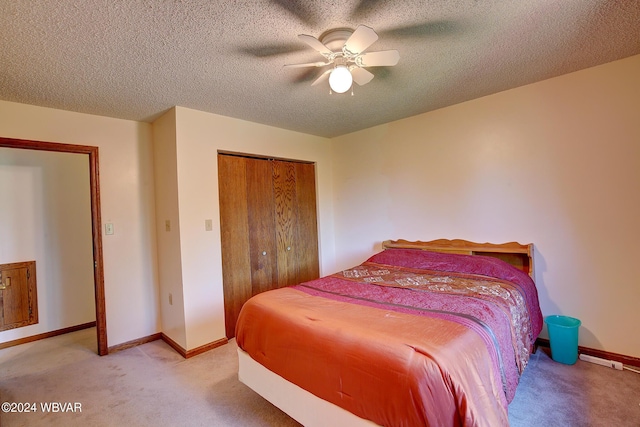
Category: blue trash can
[563,336]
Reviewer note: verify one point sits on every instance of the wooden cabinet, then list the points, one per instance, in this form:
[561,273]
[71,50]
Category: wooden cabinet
[268,227]
[18,300]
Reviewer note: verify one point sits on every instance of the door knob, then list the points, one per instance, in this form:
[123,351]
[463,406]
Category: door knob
[288,248]
[6,284]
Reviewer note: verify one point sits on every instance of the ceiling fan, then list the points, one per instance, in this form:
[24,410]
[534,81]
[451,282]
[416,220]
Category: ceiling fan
[344,51]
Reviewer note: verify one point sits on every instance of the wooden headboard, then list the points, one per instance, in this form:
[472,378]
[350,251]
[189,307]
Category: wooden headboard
[520,256]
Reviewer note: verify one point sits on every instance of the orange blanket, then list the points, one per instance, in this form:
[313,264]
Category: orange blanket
[393,368]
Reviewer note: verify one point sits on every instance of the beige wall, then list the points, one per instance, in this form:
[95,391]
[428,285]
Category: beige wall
[198,138]
[169,256]
[556,163]
[127,189]
[45,216]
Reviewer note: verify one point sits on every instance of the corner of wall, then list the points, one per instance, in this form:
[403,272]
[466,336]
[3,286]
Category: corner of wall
[171,299]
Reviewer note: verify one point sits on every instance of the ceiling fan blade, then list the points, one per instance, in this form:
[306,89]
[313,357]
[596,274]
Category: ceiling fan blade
[364,9]
[361,76]
[308,64]
[383,58]
[316,44]
[362,38]
[299,10]
[268,50]
[324,76]
[431,29]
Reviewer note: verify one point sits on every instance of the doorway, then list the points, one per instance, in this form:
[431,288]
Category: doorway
[96,225]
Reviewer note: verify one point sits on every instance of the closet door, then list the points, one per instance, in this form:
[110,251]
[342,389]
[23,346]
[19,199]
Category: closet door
[286,216]
[307,242]
[268,228]
[261,217]
[234,230]
[294,192]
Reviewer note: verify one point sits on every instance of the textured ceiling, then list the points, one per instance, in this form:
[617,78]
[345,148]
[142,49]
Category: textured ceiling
[134,59]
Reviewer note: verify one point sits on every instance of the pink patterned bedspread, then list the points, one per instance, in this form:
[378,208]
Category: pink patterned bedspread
[488,291]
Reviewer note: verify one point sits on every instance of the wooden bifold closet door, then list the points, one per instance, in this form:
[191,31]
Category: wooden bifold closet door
[268,226]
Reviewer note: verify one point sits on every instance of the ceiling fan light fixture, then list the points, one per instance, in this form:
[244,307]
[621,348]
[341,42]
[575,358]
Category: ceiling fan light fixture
[344,50]
[340,79]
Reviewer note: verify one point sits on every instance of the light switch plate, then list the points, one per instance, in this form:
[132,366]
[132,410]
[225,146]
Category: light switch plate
[108,229]
[208,225]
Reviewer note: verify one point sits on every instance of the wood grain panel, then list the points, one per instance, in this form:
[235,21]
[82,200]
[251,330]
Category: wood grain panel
[18,295]
[284,191]
[262,236]
[15,298]
[234,229]
[307,246]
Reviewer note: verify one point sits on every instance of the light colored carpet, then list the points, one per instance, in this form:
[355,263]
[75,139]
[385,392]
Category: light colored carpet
[152,385]
[552,394]
[148,385]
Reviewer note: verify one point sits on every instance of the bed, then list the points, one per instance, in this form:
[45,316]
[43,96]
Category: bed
[420,334]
